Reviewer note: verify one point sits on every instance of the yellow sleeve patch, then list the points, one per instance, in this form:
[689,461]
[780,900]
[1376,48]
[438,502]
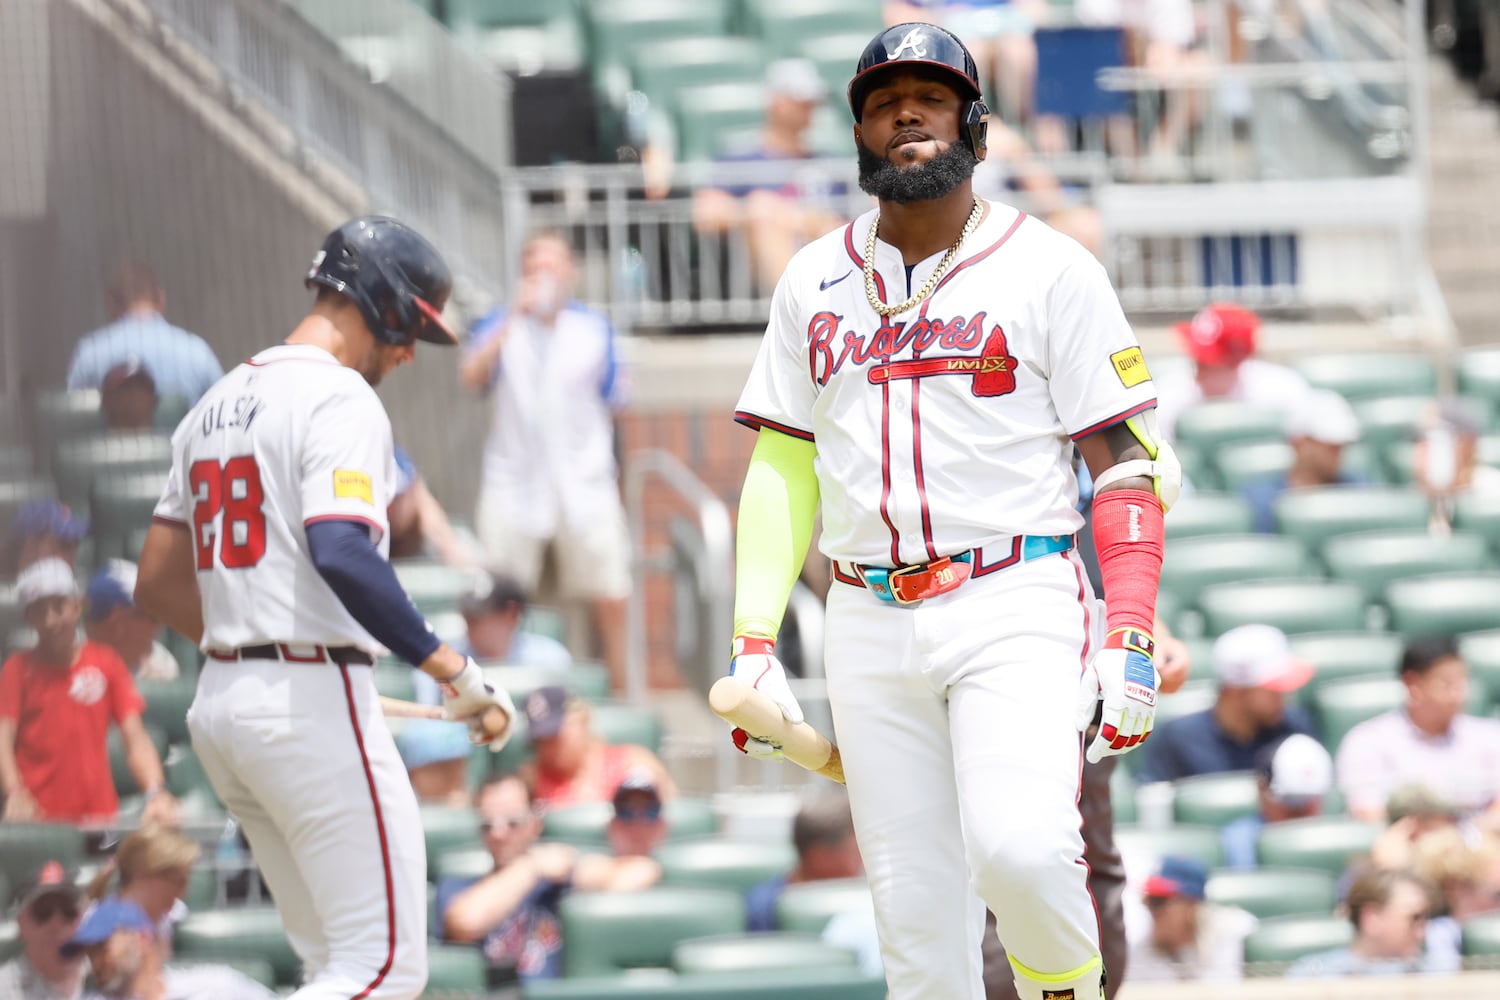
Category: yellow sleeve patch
[351,485]
[1130,365]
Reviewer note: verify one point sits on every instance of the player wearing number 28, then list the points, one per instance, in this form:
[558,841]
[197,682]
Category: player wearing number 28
[925,376]
[269,546]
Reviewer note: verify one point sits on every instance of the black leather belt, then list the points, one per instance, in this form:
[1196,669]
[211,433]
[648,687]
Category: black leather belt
[344,656]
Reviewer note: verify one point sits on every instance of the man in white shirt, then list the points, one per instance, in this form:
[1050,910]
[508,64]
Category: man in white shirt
[550,480]
[117,621]
[1221,340]
[1183,937]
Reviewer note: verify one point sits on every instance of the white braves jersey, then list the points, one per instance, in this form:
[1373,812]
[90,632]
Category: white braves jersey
[288,438]
[948,426]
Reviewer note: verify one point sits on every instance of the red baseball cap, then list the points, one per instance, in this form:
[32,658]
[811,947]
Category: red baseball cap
[1221,334]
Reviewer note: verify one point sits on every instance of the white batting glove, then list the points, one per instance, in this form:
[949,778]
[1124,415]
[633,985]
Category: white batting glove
[1123,675]
[467,697]
[755,663]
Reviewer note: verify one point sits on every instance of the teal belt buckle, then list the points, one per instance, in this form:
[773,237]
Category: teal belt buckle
[1036,546]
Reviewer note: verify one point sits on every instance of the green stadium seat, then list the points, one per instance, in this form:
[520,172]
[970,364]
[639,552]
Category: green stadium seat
[186,778]
[1238,465]
[80,461]
[1373,560]
[1400,458]
[1339,655]
[16,493]
[661,69]
[1286,939]
[1390,419]
[1370,375]
[1481,935]
[619,26]
[167,703]
[434,587]
[619,724]
[1177,840]
[219,935]
[1193,697]
[5,893]
[808,906]
[586,824]
[119,768]
[724,864]
[609,932]
[462,862]
[1200,473]
[785,24]
[1323,842]
[257,969]
[26,847]
[1479,374]
[832,55]
[1275,892]
[544,621]
[1479,514]
[706,114]
[557,44]
[1342,705]
[1444,603]
[589,681]
[1122,797]
[120,505]
[170,409]
[1202,513]
[1294,606]
[760,952]
[463,14]
[1194,563]
[1215,799]
[395,680]
[10,940]
[1481,651]
[202,891]
[446,828]
[63,414]
[1210,426]
[1312,516]
[455,969]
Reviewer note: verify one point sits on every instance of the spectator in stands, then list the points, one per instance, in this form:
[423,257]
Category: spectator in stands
[637,827]
[1221,340]
[550,480]
[1389,911]
[127,396]
[419,525]
[1185,937]
[182,364]
[1255,670]
[1466,871]
[1414,811]
[46,918]
[56,703]
[150,867]
[43,529]
[823,835]
[1428,740]
[115,620]
[511,913]
[1445,461]
[573,763]
[1320,426]
[126,961]
[1294,775]
[437,753]
[782,208]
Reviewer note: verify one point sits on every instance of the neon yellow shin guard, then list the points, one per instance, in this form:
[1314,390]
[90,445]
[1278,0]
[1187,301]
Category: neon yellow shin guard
[1083,983]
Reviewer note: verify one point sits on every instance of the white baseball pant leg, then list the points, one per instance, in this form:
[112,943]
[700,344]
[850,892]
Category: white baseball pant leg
[301,755]
[955,719]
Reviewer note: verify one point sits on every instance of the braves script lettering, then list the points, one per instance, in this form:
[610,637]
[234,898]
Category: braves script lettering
[993,369]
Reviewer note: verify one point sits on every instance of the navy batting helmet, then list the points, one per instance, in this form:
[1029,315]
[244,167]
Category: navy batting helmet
[395,277]
[918,44]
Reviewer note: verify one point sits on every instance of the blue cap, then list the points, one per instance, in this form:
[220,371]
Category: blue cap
[47,517]
[1178,877]
[546,707]
[104,920]
[113,586]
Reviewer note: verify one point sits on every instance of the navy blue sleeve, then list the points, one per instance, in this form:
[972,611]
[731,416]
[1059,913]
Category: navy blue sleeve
[364,581]
[1159,763]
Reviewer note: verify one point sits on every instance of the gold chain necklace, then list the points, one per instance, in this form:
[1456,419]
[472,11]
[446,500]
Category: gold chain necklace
[930,285]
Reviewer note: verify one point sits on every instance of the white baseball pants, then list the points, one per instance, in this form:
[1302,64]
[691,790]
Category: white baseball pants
[955,718]
[301,755]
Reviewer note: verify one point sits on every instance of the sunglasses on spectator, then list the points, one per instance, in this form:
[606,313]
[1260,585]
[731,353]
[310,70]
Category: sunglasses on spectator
[48,907]
[629,814]
[490,823]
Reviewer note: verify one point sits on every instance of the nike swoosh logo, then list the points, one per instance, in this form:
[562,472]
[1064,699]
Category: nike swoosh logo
[823,286]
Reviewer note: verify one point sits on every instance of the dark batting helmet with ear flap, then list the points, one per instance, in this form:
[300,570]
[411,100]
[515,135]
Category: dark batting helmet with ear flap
[919,44]
[395,277]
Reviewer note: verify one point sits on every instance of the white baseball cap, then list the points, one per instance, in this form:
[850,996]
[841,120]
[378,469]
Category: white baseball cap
[1299,768]
[50,577]
[796,78]
[1323,415]
[1258,656]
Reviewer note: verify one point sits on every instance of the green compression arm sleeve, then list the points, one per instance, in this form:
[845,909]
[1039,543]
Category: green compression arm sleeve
[777,509]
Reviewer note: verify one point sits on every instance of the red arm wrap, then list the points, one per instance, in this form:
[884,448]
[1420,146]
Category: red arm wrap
[1129,537]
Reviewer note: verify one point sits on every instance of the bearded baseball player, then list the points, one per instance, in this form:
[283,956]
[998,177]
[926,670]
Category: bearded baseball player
[925,376]
[269,546]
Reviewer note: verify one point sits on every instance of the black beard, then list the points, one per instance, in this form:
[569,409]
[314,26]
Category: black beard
[934,179]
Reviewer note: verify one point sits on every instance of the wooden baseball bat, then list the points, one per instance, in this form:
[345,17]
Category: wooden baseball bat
[394,708]
[740,704]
